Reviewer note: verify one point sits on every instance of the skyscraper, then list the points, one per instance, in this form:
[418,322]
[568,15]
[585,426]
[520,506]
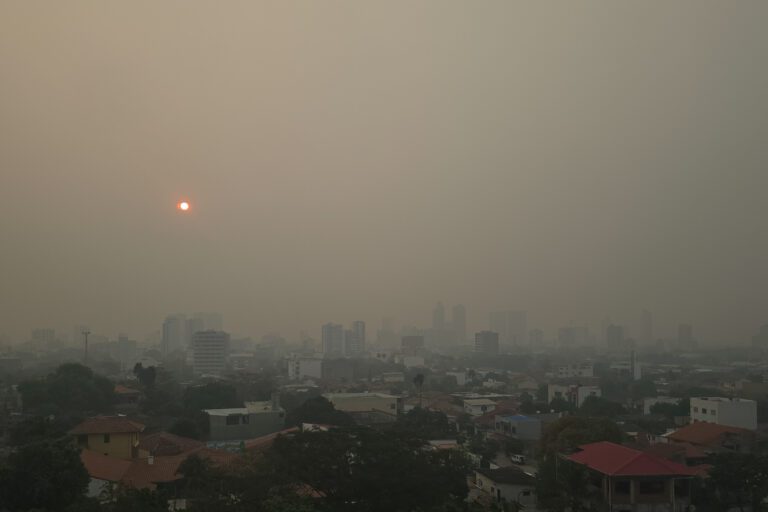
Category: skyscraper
[209,352]
[354,339]
[174,328]
[487,342]
[512,326]
[333,340]
[459,322]
[438,317]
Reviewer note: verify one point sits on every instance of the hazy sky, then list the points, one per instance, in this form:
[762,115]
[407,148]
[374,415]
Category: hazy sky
[355,159]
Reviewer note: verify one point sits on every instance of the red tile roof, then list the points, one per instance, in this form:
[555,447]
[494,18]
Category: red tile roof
[107,425]
[104,467]
[125,390]
[617,460]
[707,434]
[263,443]
[164,443]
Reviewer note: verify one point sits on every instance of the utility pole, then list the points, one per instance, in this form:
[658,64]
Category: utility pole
[85,335]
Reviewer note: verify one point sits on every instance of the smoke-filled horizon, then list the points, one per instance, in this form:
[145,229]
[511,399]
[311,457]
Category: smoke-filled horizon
[348,160]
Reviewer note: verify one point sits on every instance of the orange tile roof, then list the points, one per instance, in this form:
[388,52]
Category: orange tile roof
[165,443]
[703,433]
[125,390]
[616,460]
[104,467]
[107,425]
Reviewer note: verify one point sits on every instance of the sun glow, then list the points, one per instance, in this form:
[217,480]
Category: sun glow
[183,206]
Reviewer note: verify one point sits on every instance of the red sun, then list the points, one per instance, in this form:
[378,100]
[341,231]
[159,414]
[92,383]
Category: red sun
[183,206]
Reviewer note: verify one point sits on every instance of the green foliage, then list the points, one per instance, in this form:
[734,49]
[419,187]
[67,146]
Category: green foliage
[643,388]
[562,486]
[38,428]
[559,404]
[185,427]
[317,410]
[214,395]
[486,448]
[146,376]
[132,500]
[424,424]
[71,389]
[600,407]
[681,408]
[568,433]
[46,475]
[371,471]
[740,479]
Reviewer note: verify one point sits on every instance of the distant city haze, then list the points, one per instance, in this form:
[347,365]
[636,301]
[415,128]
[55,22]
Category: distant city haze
[353,160]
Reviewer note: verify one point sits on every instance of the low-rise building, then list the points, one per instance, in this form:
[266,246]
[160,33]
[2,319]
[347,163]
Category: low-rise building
[714,438]
[478,406]
[733,412]
[519,426]
[575,370]
[509,484]
[300,368]
[365,402]
[574,394]
[113,436]
[255,419]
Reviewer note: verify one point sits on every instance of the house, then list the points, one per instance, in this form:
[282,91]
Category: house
[253,420]
[478,406]
[114,436]
[628,480]
[508,484]
[734,412]
[519,426]
[575,394]
[366,402]
[713,438]
[126,395]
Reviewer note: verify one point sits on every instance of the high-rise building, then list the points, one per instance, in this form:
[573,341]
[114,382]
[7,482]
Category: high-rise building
[210,321]
[209,352]
[536,338]
[459,322]
[685,339]
[192,325]
[566,337]
[487,342]
[646,327]
[354,339]
[614,335]
[174,329]
[512,326]
[438,317]
[333,340]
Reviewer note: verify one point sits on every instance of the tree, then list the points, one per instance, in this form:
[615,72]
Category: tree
[600,407]
[38,428]
[185,427]
[569,433]
[146,376]
[425,424]
[317,410]
[670,411]
[71,389]
[131,500]
[46,475]
[740,479]
[560,404]
[214,395]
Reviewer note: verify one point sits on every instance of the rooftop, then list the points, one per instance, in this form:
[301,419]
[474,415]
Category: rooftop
[704,433]
[616,460]
[479,401]
[508,475]
[107,425]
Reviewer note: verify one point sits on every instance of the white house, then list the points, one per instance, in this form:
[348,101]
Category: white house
[732,412]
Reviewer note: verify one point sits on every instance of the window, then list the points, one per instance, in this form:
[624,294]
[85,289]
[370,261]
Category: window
[652,487]
[695,409]
[246,419]
[526,493]
[703,410]
[106,438]
[233,419]
[622,487]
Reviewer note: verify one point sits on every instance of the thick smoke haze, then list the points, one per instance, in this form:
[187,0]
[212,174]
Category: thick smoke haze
[352,160]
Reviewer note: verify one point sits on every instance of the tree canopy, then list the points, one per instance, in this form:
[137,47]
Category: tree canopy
[71,389]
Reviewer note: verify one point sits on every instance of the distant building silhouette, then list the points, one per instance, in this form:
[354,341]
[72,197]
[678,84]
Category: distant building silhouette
[333,340]
[174,333]
[209,352]
[354,339]
[487,342]
[459,322]
[685,339]
[438,317]
[512,326]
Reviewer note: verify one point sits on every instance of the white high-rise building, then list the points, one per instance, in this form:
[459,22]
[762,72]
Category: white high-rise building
[732,412]
[209,352]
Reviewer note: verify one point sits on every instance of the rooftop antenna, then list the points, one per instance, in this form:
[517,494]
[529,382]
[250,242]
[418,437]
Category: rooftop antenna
[85,336]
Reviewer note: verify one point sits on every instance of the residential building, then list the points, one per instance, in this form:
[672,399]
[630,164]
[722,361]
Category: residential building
[512,326]
[366,402]
[733,412]
[114,436]
[254,419]
[487,342]
[209,352]
[354,339]
[521,427]
[300,368]
[574,370]
[478,406]
[714,438]
[333,340]
[626,480]
[173,335]
[510,484]
[575,394]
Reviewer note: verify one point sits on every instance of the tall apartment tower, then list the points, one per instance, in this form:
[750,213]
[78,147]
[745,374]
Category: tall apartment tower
[438,317]
[459,322]
[174,334]
[209,352]
[487,342]
[354,339]
[512,326]
[333,340]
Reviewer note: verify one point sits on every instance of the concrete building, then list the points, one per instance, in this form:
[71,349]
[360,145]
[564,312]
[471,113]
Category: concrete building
[732,412]
[575,394]
[487,342]
[300,368]
[354,339]
[173,335]
[366,402]
[512,326]
[114,436]
[333,340]
[478,406]
[255,419]
[438,317]
[209,352]
[508,485]
[521,427]
[568,371]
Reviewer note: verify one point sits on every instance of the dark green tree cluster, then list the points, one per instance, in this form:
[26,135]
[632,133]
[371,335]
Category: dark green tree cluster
[72,389]
[317,410]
